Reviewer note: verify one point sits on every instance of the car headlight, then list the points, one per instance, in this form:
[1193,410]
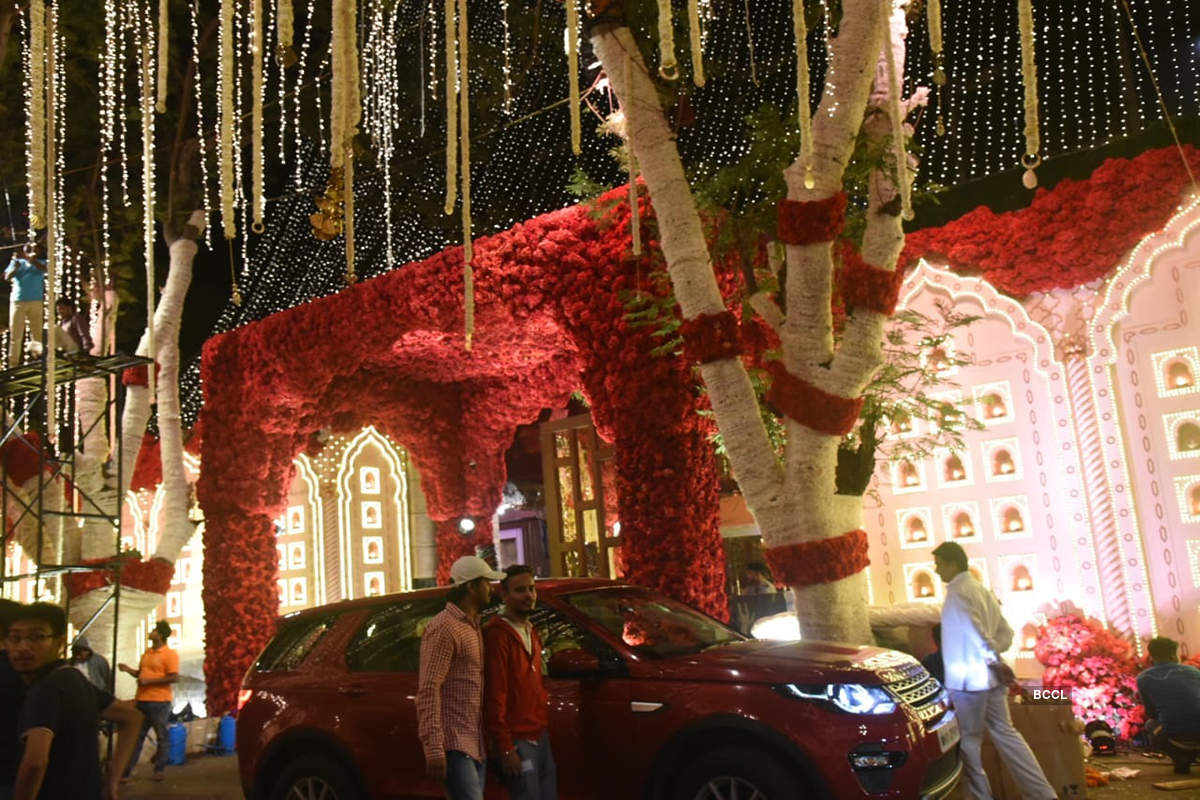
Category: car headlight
[853,698]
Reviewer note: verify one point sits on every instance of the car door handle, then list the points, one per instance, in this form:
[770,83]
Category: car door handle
[353,691]
[644,707]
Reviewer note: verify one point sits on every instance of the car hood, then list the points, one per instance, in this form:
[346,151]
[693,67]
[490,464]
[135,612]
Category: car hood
[781,662]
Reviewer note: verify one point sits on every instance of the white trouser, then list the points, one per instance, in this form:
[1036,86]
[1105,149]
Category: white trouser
[19,312]
[988,710]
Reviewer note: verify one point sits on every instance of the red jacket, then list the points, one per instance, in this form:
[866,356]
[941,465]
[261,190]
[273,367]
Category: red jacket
[514,699]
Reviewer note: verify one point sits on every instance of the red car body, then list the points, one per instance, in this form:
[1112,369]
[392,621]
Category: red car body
[318,706]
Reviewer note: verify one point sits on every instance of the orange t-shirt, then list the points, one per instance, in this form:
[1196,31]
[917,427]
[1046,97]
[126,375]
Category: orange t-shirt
[157,664]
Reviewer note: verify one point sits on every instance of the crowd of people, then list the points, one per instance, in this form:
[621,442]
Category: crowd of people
[53,709]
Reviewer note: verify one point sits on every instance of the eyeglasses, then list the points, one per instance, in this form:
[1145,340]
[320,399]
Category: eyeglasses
[32,638]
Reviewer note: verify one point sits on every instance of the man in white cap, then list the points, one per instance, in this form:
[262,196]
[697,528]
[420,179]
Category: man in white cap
[450,687]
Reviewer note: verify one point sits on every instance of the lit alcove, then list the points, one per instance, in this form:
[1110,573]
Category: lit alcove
[1012,521]
[1029,634]
[922,585]
[910,476]
[1193,496]
[994,406]
[1022,580]
[1177,374]
[953,470]
[902,423]
[915,530]
[1003,464]
[939,359]
[963,526]
[1187,437]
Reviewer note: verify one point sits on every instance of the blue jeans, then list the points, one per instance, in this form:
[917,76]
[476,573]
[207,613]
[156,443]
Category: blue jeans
[156,717]
[539,777]
[464,776]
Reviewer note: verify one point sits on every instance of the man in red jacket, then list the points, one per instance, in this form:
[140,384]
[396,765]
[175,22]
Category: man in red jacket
[514,699]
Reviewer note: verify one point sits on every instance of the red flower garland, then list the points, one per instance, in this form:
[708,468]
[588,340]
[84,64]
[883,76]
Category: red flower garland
[1069,235]
[867,286]
[812,222]
[711,337]
[809,405]
[821,560]
[153,575]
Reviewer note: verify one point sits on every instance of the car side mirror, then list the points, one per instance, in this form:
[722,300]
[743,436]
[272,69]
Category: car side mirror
[573,663]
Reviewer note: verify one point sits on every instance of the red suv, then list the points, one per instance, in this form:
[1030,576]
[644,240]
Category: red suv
[648,699]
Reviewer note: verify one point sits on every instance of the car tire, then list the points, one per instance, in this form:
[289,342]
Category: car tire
[314,777]
[755,774]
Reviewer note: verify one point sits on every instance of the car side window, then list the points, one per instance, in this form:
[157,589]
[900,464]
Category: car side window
[294,641]
[560,633]
[390,637]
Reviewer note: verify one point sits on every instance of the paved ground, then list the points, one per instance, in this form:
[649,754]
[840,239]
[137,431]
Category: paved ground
[215,778]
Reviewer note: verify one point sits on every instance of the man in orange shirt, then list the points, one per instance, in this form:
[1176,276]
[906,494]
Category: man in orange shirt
[158,669]
[514,699]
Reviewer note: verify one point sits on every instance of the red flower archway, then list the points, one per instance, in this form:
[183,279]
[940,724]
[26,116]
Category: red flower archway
[389,352]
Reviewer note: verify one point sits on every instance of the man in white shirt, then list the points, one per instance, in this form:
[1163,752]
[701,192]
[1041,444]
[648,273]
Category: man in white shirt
[974,634]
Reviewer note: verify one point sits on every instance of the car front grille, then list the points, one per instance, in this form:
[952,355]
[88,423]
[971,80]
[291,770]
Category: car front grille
[914,687]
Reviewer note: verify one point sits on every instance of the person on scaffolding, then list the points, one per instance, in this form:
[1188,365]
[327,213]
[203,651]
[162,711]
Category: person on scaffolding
[27,273]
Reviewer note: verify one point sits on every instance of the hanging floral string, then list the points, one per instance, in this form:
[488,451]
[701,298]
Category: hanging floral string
[148,84]
[226,120]
[939,66]
[256,116]
[635,223]
[1033,142]
[668,68]
[896,112]
[696,38]
[465,133]
[345,115]
[285,24]
[164,39]
[573,73]
[803,110]
[451,108]
[37,115]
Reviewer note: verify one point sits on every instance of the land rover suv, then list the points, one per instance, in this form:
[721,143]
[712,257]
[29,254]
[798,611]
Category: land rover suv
[648,699]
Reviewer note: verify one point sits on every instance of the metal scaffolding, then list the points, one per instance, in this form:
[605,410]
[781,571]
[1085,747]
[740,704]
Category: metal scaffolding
[25,441]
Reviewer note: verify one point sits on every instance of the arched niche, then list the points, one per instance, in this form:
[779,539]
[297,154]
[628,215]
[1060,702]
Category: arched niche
[923,587]
[1178,374]
[1021,579]
[1029,636]
[1187,436]
[1011,520]
[374,539]
[962,526]
[1003,465]
[953,469]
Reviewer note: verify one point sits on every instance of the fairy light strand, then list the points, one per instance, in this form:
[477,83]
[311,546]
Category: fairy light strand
[201,138]
[147,88]
[256,122]
[465,132]
[37,115]
[507,68]
[50,31]
[451,108]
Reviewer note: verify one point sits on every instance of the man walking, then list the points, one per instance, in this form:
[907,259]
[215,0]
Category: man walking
[159,668]
[450,686]
[974,634]
[1171,694]
[60,715]
[514,700]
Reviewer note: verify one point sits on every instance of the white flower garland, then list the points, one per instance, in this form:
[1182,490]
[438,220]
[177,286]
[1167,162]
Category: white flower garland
[465,132]
[668,68]
[226,120]
[164,44]
[803,111]
[256,116]
[573,73]
[346,113]
[52,219]
[635,211]
[696,39]
[896,112]
[939,68]
[37,115]
[451,109]
[148,199]
[285,23]
[1033,142]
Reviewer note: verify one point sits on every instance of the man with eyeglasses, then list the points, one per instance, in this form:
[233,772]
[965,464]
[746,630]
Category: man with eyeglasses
[60,716]
[12,693]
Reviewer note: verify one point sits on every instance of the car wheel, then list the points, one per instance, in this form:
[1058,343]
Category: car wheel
[736,773]
[314,777]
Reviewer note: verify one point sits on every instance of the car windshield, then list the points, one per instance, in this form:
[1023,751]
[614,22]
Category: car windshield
[650,624]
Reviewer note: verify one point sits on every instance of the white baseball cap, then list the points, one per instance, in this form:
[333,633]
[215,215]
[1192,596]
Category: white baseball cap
[468,568]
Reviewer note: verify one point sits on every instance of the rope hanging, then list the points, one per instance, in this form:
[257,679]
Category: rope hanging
[668,67]
[573,73]
[696,41]
[803,111]
[164,44]
[939,68]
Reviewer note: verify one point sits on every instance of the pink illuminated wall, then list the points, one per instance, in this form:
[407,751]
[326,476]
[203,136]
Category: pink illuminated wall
[1084,484]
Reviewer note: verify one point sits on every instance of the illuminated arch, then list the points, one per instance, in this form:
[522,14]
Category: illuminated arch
[312,487]
[371,437]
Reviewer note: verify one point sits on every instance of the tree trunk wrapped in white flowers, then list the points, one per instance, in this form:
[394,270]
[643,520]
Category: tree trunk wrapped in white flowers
[813,535]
